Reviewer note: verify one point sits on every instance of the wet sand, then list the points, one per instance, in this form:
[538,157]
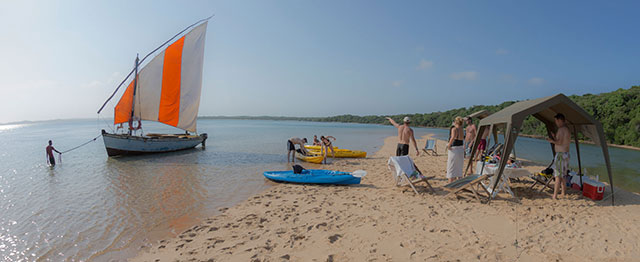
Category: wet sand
[377,221]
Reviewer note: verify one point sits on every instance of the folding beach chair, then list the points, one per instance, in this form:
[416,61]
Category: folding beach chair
[470,183]
[404,170]
[544,178]
[430,146]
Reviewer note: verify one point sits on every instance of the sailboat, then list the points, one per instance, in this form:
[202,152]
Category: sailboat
[165,90]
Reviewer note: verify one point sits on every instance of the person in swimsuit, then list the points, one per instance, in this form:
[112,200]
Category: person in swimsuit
[470,135]
[455,153]
[316,142]
[561,141]
[483,143]
[405,133]
[51,160]
[326,145]
[292,148]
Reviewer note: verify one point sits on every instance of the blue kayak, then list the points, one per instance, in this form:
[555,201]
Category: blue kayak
[314,176]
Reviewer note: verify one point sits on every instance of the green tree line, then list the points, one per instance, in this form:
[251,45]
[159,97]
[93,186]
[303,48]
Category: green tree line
[618,111]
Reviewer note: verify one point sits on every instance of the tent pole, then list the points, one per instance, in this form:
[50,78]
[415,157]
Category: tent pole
[509,136]
[474,148]
[575,137]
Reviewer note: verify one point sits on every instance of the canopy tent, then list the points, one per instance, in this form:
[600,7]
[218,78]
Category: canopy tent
[544,109]
[479,114]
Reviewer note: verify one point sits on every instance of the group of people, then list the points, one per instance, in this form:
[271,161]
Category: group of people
[324,142]
[461,141]
[460,144]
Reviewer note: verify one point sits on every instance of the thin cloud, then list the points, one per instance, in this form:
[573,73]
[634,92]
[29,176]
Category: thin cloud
[397,83]
[536,81]
[466,75]
[502,51]
[424,64]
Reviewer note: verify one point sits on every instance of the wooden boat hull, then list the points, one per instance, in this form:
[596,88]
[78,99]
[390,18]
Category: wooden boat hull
[122,144]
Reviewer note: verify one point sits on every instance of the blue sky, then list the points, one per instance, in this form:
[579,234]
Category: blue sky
[61,59]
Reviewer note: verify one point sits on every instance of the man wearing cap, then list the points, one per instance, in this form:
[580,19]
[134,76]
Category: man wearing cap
[405,133]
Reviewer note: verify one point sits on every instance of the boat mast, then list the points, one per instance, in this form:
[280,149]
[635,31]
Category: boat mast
[133,100]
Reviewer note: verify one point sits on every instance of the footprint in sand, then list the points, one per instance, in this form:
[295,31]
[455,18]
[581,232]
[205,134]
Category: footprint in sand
[334,238]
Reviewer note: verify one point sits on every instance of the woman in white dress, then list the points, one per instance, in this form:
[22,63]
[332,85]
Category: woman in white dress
[455,151]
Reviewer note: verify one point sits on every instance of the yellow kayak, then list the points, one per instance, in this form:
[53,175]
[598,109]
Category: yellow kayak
[316,159]
[343,153]
[310,147]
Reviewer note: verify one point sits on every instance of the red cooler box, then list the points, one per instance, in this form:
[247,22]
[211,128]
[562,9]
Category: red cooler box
[592,189]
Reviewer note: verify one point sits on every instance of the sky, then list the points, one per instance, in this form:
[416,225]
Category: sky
[62,59]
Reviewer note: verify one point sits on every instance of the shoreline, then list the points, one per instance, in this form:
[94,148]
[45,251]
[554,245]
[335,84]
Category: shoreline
[379,221]
[240,118]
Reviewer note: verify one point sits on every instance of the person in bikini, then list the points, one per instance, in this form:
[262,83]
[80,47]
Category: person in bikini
[561,141]
[292,148]
[51,160]
[326,145]
[405,133]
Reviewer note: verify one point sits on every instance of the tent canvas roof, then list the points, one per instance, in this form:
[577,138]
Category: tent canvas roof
[545,109]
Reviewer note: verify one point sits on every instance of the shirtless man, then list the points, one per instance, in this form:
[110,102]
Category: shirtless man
[50,159]
[561,141]
[405,133]
[291,148]
[470,134]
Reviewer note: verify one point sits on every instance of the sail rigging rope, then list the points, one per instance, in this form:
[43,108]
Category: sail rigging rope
[81,145]
[145,57]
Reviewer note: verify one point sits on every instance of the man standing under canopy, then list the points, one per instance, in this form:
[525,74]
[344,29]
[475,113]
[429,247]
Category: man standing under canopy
[561,141]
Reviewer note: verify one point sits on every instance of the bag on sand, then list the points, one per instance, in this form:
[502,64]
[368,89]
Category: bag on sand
[297,169]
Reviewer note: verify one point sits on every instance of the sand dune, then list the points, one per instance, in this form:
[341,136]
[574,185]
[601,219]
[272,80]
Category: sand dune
[377,221]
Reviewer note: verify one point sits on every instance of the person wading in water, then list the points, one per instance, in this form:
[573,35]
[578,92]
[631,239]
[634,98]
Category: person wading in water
[51,160]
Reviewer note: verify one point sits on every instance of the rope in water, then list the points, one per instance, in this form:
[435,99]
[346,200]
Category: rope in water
[83,144]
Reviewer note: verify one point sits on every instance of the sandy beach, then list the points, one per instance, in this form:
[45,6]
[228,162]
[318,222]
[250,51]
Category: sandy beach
[377,221]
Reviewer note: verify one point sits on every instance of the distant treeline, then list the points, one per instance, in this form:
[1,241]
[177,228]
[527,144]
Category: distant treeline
[619,112]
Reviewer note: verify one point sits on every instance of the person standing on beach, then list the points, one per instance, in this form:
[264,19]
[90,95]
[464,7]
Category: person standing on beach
[291,148]
[470,136]
[561,141]
[51,160]
[405,133]
[455,151]
[326,146]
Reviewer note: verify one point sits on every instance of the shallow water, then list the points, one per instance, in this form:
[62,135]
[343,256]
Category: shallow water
[92,207]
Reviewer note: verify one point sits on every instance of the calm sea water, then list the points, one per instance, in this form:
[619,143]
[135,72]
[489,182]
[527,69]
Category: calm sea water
[91,207]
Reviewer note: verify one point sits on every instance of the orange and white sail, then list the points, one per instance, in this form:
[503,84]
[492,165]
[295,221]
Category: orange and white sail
[169,86]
